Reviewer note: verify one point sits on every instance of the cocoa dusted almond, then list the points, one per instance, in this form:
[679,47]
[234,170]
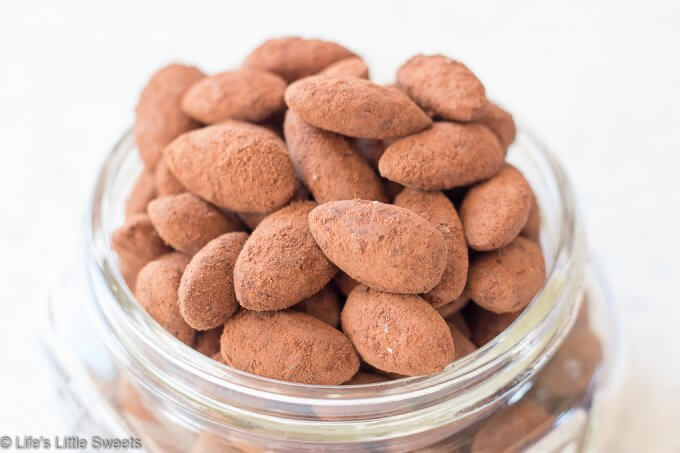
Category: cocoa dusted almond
[280,263]
[366,377]
[532,229]
[159,118]
[383,246]
[236,169]
[355,107]
[445,156]
[143,191]
[437,209]
[206,293]
[156,291]
[501,123]
[443,87]
[328,164]
[165,181]
[186,222]
[136,243]
[495,211]
[397,333]
[293,57]
[506,280]
[349,67]
[240,95]
[290,346]
[324,305]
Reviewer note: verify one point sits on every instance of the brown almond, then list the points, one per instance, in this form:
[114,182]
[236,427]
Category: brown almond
[165,181]
[461,344]
[454,307]
[156,291]
[501,123]
[240,95]
[348,67]
[208,341]
[293,57]
[281,264]
[136,242]
[397,333]
[264,130]
[443,87]
[355,107]
[495,211]
[236,169]
[532,229]
[366,377]
[159,117]
[507,279]
[445,156]
[513,429]
[486,325]
[253,219]
[328,164]
[206,293]
[142,193]
[383,246]
[344,283]
[324,305]
[437,209]
[186,222]
[290,346]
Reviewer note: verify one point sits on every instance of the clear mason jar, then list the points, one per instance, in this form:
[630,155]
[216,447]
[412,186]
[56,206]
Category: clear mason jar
[547,383]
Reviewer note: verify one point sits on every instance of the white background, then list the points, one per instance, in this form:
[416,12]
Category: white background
[598,81]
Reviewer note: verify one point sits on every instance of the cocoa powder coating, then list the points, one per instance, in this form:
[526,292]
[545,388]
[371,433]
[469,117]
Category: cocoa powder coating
[366,377]
[507,279]
[324,306]
[206,292]
[290,346]
[349,67]
[437,209]
[355,107]
[186,222]
[443,87]
[293,57]
[501,123]
[136,242]
[165,182]
[156,291]
[532,229]
[236,169]
[240,95]
[159,117]
[445,156]
[328,164]
[383,246]
[495,211]
[281,264]
[397,333]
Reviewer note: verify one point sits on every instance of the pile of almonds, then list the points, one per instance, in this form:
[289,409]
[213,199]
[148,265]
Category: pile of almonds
[300,222]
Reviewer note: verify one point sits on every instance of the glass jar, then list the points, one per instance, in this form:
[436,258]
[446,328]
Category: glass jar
[546,383]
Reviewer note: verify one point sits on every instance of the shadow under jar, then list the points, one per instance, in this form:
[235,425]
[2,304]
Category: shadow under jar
[546,383]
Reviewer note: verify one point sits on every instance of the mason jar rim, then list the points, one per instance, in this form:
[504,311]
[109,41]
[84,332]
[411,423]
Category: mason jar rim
[188,379]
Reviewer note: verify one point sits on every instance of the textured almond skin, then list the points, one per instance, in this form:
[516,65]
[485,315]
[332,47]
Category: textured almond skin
[486,325]
[506,280]
[328,164]
[290,346]
[501,123]
[236,169]
[397,333]
[142,193]
[206,293]
[136,242]
[355,107]
[253,219]
[281,264]
[495,211]
[513,429]
[240,95]
[159,118]
[445,156]
[165,181]
[443,87]
[208,342]
[349,67]
[532,229]
[383,246]
[293,57]
[324,306]
[437,209]
[156,290]
[186,222]
[238,124]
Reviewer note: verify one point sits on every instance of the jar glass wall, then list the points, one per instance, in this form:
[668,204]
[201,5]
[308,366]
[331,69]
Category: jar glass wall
[540,384]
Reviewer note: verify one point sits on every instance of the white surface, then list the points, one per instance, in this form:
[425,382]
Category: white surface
[599,82]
